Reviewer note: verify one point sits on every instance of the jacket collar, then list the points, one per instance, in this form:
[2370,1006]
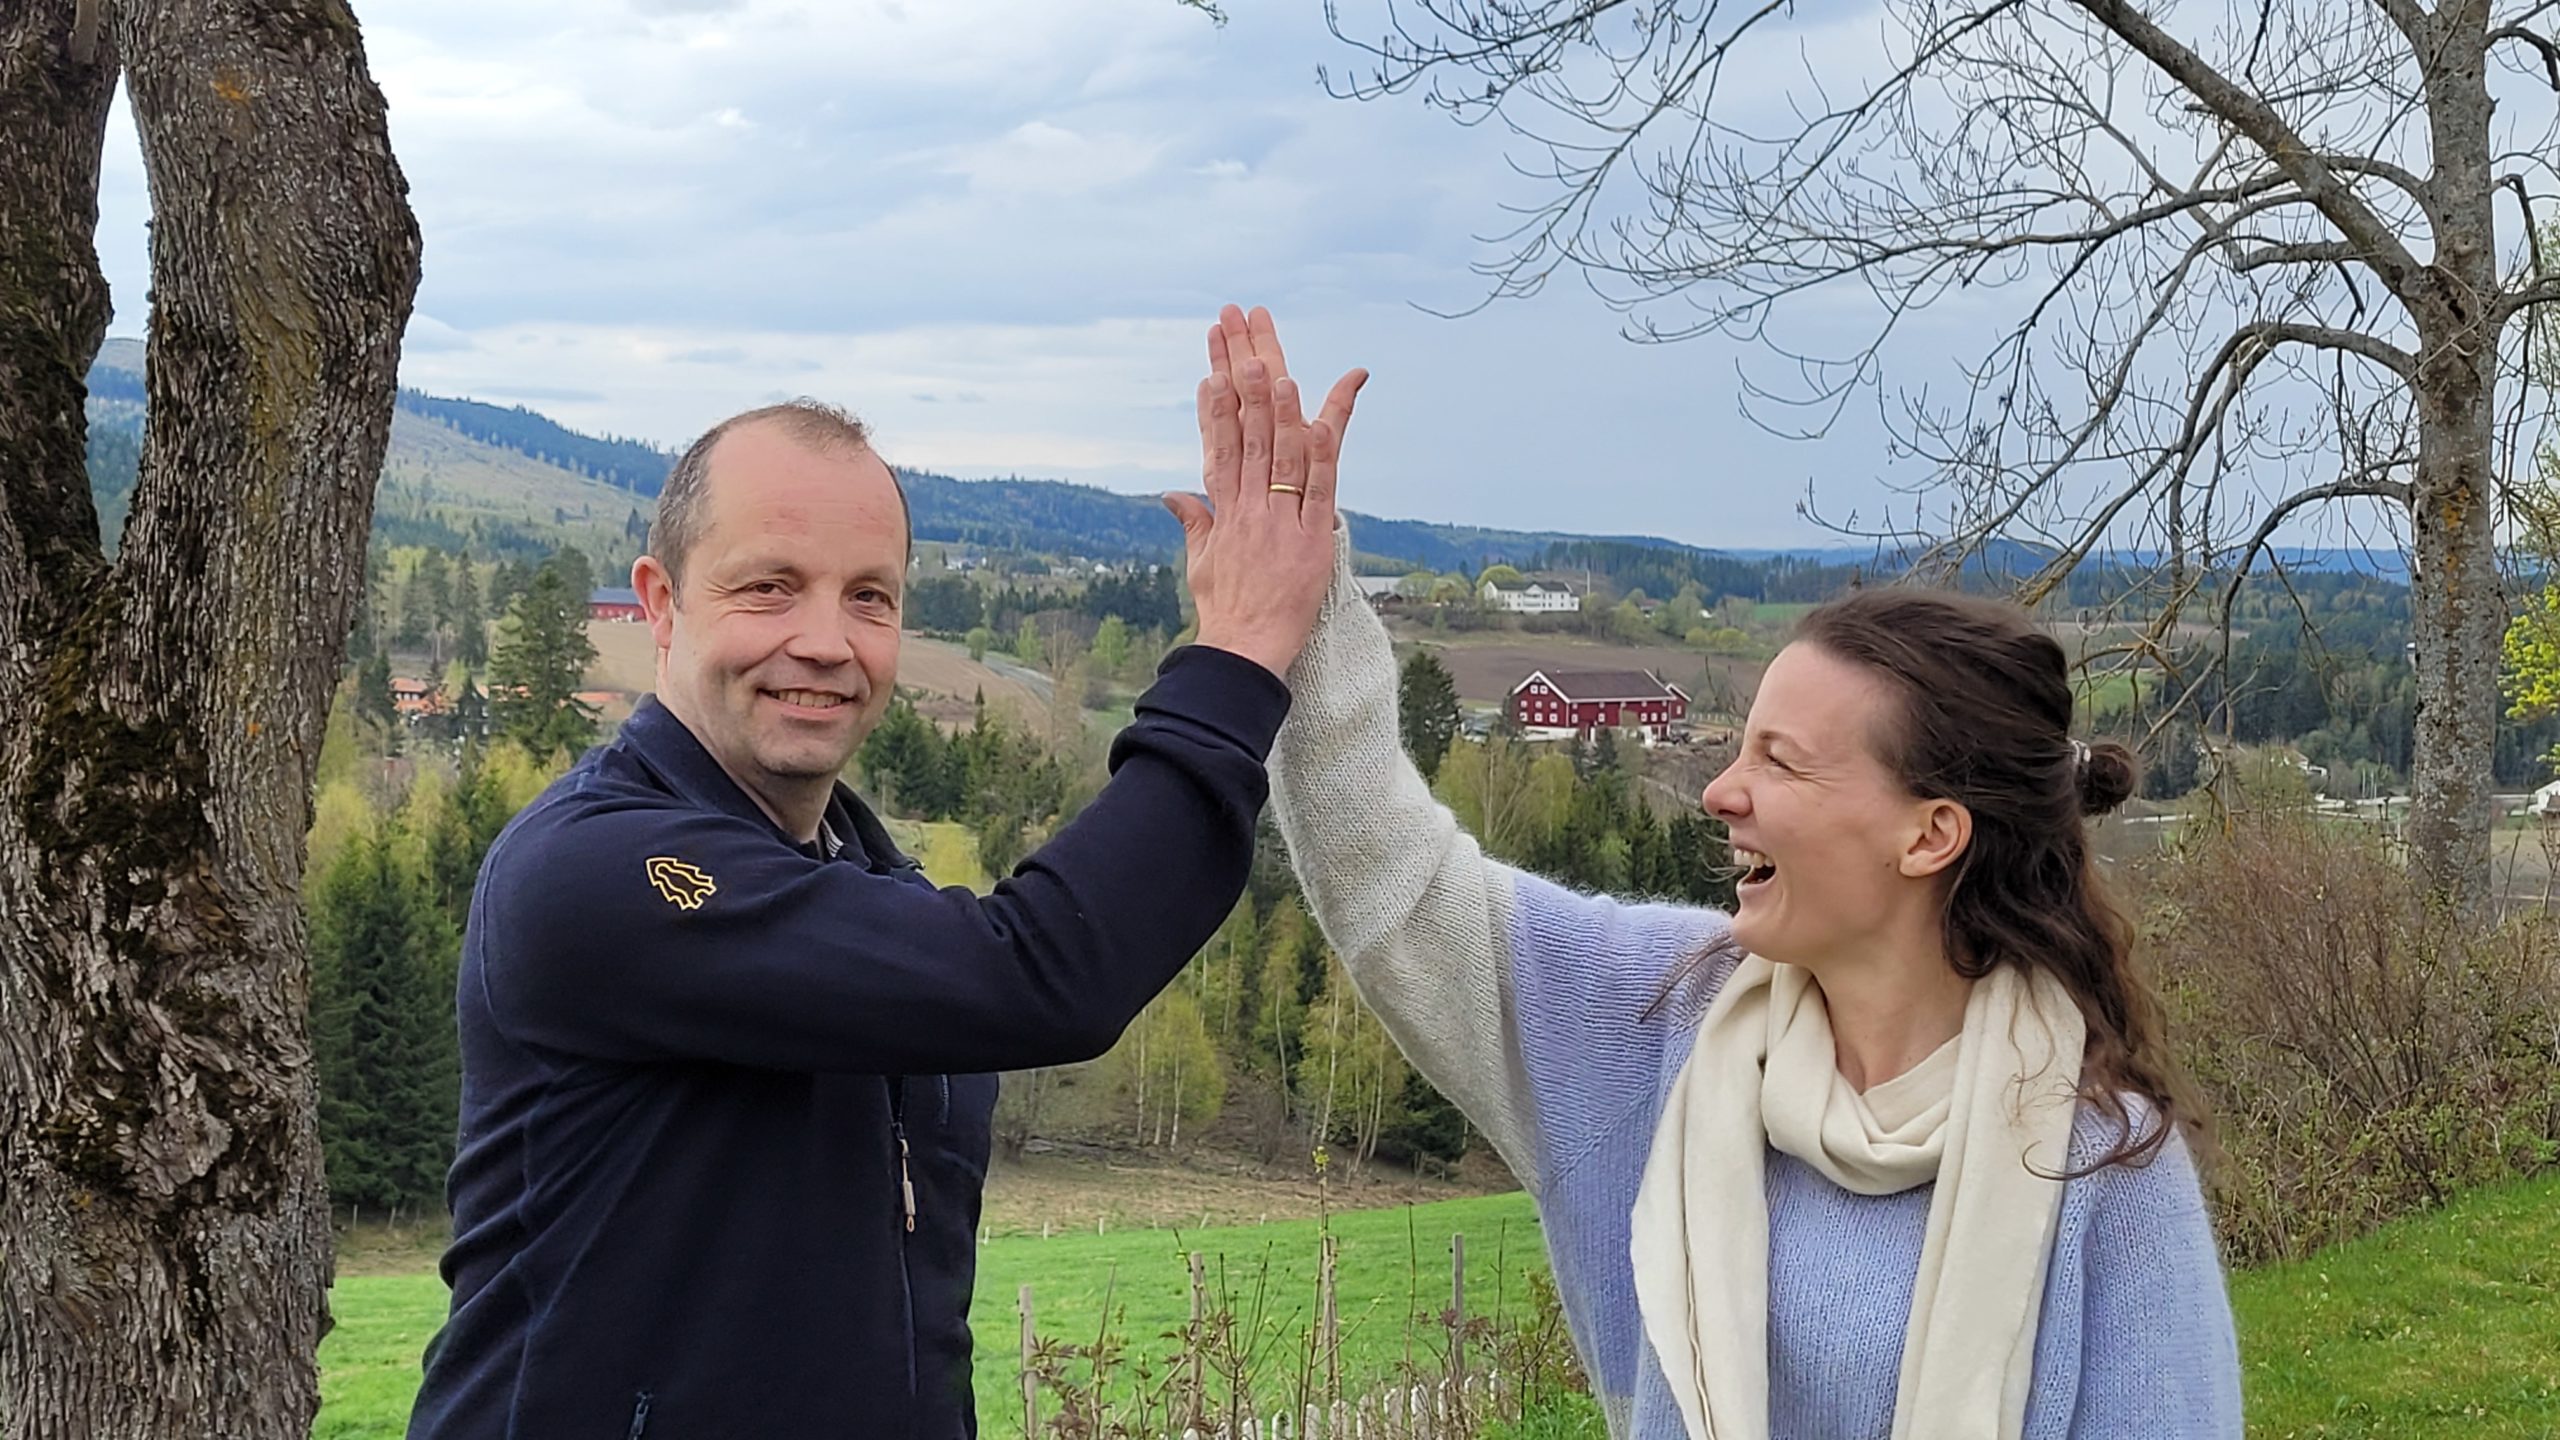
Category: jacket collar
[668,747]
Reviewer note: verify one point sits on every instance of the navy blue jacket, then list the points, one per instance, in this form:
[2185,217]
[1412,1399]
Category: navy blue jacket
[691,1048]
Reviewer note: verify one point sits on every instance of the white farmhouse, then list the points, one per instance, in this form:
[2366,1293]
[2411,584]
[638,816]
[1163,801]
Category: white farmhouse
[1533,597]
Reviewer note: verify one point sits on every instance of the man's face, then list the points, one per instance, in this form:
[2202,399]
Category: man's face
[780,649]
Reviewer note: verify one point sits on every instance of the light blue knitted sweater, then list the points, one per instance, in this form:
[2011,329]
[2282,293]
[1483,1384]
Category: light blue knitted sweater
[1551,1019]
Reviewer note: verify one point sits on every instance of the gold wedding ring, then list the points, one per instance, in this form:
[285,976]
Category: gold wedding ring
[1288,489]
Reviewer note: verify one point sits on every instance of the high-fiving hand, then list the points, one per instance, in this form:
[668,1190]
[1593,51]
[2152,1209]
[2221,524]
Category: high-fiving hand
[1260,549]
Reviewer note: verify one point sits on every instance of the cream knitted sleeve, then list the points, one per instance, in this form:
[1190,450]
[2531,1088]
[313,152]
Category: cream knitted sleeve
[1406,898]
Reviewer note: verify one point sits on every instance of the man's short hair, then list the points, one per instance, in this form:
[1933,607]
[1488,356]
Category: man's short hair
[814,423]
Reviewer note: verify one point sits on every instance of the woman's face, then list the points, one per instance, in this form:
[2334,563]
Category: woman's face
[1837,856]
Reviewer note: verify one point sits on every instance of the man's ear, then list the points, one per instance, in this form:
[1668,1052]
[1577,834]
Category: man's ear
[657,592]
[1945,828]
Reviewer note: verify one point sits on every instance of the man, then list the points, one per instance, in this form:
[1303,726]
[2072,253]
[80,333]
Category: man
[726,1099]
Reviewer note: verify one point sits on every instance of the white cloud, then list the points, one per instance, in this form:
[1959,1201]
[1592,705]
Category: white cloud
[997,229]
[1040,160]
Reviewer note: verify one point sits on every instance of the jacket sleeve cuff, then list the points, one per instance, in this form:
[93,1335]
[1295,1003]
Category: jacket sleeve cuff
[1222,692]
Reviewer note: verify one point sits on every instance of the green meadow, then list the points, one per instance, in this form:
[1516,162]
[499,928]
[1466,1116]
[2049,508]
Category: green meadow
[2446,1325]
[1389,1264]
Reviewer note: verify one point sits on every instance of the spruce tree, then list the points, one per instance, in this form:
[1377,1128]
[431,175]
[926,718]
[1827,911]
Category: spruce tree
[1427,711]
[470,618]
[383,958]
[435,591]
[415,608]
[542,654]
[373,691]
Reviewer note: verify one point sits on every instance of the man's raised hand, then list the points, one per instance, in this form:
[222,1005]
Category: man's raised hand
[1260,549]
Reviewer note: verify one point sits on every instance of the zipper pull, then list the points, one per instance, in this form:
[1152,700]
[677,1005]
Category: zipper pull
[906,1181]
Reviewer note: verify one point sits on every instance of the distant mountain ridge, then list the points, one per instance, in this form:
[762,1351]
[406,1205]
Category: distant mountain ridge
[1045,515]
[610,473]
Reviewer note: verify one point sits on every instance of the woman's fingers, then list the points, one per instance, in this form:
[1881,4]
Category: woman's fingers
[1324,449]
[1338,402]
[1237,332]
[1264,335]
[1197,522]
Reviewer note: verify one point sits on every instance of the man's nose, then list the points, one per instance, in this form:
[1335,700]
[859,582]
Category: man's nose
[820,639]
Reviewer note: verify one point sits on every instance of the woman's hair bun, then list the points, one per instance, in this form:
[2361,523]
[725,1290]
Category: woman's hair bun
[2107,776]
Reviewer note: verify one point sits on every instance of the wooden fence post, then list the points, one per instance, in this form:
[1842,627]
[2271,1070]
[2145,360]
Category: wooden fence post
[1328,1321]
[1458,1306]
[1198,1377]
[1030,1382]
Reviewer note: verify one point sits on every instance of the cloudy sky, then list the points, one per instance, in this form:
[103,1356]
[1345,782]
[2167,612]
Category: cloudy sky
[997,229]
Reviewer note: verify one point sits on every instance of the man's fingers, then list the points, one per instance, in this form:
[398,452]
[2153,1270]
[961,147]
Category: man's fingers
[1221,440]
[1265,336]
[1288,441]
[1254,486]
[1219,364]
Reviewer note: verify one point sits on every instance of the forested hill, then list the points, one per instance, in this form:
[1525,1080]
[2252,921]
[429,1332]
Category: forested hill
[632,465]
[516,445]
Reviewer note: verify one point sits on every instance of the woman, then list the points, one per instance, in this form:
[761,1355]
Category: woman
[1895,1150]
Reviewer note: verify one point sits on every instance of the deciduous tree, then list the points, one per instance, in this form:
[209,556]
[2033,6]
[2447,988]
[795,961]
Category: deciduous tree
[163,1218]
[2237,264]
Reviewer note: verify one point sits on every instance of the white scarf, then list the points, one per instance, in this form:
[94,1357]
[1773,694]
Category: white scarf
[1988,1117]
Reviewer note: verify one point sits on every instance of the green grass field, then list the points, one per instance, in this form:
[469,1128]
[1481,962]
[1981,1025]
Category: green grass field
[1265,1273]
[946,849]
[2106,693]
[2447,1325]
[2443,1325]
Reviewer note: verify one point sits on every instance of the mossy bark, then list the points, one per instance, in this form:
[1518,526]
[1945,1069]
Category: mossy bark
[164,1244]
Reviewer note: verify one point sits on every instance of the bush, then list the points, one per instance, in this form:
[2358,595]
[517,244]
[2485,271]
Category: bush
[2364,1055]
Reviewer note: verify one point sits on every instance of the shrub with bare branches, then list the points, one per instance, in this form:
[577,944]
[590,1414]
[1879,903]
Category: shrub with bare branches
[2366,1053]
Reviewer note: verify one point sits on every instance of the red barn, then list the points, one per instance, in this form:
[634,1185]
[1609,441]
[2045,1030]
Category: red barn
[615,603]
[1581,701]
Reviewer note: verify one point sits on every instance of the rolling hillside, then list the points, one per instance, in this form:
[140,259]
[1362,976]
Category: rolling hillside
[508,479]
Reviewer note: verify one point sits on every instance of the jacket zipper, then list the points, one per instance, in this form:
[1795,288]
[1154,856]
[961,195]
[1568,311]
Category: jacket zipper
[907,1203]
[906,1178]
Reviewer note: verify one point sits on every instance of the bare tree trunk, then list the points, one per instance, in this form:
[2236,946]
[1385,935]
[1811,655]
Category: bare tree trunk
[164,1221]
[2458,611]
[2457,616]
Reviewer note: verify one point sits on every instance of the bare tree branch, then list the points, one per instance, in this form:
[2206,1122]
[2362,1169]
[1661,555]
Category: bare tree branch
[2541,292]
[2307,252]
[2368,484]
[2541,44]
[2326,337]
[2258,120]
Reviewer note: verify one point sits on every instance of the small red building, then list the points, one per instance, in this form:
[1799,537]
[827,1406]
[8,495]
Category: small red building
[1581,701]
[615,603]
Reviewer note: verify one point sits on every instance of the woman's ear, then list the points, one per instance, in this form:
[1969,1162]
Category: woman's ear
[1945,829]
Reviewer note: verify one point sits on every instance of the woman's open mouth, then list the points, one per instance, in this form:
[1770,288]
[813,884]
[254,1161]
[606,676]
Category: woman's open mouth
[1757,869]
